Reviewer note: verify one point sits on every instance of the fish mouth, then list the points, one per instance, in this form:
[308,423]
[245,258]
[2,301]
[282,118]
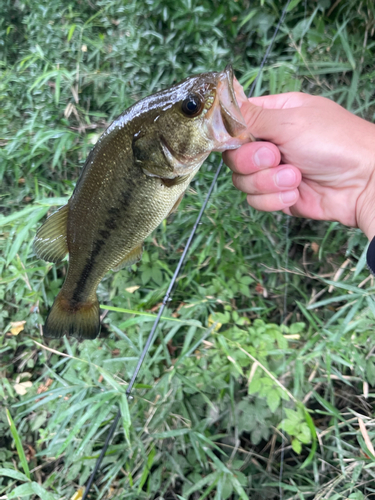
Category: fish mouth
[230,111]
[227,126]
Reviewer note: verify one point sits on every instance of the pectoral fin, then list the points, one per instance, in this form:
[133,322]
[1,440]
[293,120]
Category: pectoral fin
[131,258]
[175,181]
[50,242]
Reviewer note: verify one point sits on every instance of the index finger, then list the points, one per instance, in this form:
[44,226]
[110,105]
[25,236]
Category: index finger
[280,101]
[252,157]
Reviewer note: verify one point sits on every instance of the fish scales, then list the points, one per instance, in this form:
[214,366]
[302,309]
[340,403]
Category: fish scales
[134,177]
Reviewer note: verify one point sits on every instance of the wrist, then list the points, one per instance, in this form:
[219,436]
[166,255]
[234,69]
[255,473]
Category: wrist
[365,209]
[363,146]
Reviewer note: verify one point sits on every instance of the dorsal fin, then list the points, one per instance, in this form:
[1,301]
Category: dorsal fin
[50,242]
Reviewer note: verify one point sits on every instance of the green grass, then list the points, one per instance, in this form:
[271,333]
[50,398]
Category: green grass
[264,364]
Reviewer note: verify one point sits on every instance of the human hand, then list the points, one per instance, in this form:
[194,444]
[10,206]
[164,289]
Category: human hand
[327,160]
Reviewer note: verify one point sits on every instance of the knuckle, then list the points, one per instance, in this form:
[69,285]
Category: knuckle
[238,181]
[229,158]
[251,114]
[260,182]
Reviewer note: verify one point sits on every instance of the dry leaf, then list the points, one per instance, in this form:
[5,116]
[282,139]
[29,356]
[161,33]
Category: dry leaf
[211,322]
[44,387]
[22,375]
[365,389]
[252,371]
[365,436]
[17,327]
[78,494]
[30,454]
[338,274]
[22,387]
[70,108]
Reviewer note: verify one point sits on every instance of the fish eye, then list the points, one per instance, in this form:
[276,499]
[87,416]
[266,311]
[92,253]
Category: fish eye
[192,105]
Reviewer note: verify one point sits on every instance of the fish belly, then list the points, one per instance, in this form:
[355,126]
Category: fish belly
[99,240]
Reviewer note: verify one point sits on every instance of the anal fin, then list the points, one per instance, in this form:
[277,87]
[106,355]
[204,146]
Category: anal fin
[130,258]
[50,242]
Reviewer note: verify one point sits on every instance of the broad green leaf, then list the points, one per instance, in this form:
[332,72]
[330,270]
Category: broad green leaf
[15,474]
[296,445]
[71,32]
[273,399]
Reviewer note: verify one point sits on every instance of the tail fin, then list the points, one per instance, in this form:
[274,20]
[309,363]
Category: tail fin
[80,320]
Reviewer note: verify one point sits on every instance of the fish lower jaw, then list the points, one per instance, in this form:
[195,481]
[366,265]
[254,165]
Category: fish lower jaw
[219,135]
[233,143]
[223,141]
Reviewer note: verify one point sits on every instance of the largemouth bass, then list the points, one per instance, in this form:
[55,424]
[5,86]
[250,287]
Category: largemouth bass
[135,176]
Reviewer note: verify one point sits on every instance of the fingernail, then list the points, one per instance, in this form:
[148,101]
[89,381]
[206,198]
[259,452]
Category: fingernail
[288,196]
[285,177]
[264,158]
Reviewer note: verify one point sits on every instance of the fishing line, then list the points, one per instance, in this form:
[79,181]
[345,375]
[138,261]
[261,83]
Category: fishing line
[175,275]
[154,327]
[267,53]
[285,311]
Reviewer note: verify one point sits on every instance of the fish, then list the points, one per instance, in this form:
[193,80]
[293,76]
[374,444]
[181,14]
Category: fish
[133,178]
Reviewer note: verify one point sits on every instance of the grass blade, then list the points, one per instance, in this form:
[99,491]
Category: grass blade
[19,447]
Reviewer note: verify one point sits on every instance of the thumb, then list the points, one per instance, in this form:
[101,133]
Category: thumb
[273,117]
[265,124]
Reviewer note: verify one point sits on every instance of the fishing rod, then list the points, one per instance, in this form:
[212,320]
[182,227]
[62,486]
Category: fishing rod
[176,273]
